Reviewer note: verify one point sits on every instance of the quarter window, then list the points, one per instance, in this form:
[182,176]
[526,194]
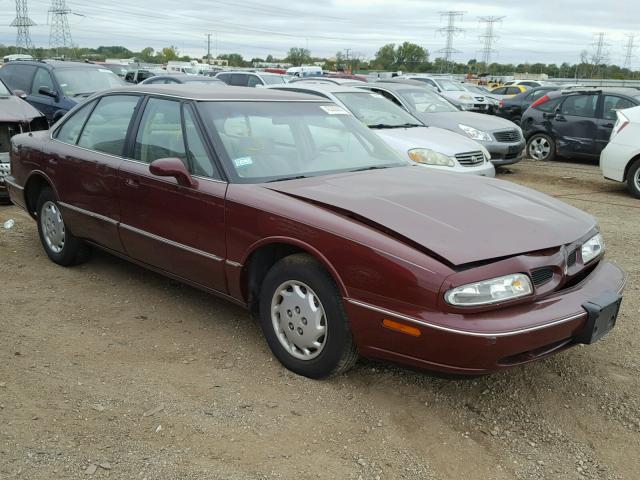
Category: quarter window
[580,106]
[107,126]
[612,104]
[72,127]
[199,161]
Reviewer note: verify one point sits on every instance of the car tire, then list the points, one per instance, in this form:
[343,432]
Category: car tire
[633,179]
[308,331]
[61,246]
[542,147]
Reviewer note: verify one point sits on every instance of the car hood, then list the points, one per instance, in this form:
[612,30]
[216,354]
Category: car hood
[443,141]
[460,218]
[451,120]
[14,109]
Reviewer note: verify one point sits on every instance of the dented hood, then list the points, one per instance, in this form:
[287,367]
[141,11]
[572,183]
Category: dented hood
[461,218]
[14,109]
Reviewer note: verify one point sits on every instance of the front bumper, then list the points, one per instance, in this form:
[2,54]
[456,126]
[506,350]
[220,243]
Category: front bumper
[480,343]
[614,159]
[486,169]
[503,153]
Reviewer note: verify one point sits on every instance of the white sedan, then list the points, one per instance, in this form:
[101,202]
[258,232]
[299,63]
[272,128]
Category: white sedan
[620,160]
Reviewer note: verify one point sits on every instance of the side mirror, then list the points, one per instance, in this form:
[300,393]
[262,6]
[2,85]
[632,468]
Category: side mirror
[20,94]
[173,167]
[47,92]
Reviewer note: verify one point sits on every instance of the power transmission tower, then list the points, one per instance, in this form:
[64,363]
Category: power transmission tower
[60,35]
[600,55]
[628,58]
[208,48]
[23,22]
[450,31]
[488,37]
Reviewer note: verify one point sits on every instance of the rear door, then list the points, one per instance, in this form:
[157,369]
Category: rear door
[575,125]
[607,117]
[178,229]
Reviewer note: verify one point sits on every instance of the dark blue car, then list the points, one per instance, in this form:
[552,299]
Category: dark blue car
[55,87]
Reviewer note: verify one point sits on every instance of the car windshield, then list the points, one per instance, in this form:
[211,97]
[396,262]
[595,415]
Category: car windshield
[424,101]
[376,111]
[79,81]
[474,89]
[271,141]
[273,79]
[449,86]
[201,79]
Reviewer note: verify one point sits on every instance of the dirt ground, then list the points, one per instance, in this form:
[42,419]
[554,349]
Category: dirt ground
[108,370]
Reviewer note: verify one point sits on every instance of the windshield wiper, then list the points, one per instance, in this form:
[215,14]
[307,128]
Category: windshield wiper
[284,179]
[385,125]
[374,167]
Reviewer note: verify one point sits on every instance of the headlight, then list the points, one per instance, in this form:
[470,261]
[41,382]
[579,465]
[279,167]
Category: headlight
[487,155]
[592,248]
[465,97]
[474,133]
[490,291]
[430,157]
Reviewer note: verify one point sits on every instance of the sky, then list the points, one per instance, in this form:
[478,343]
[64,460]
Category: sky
[546,31]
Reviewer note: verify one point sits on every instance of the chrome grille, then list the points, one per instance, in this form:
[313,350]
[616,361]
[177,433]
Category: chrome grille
[4,171]
[480,99]
[507,136]
[541,276]
[470,159]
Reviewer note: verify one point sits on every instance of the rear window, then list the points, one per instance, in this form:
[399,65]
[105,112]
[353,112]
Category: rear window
[18,77]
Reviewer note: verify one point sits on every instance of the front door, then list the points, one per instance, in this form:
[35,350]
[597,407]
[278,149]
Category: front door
[574,126]
[46,104]
[175,228]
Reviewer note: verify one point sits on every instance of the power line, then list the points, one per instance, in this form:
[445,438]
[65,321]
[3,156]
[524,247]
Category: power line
[60,36]
[628,58]
[23,22]
[488,37]
[450,31]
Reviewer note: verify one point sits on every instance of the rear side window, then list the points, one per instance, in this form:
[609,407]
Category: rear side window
[106,129]
[238,80]
[550,105]
[72,127]
[253,81]
[499,91]
[580,106]
[613,103]
[513,91]
[225,77]
[18,77]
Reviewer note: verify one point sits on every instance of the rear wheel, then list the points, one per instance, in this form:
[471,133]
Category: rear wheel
[633,179]
[61,246]
[303,319]
[541,147]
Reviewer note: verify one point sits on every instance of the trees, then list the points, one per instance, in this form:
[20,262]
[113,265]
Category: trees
[298,56]
[405,56]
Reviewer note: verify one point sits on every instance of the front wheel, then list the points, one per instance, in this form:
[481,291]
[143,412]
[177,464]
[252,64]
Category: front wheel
[633,179]
[541,147]
[61,246]
[303,319]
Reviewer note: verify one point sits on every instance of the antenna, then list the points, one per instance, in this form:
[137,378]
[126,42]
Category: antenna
[450,31]
[488,37]
[23,22]
[60,36]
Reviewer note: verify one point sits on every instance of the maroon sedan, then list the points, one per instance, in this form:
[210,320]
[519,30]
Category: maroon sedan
[287,205]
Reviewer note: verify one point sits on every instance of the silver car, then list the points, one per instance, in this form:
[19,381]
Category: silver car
[502,138]
[455,92]
[429,146]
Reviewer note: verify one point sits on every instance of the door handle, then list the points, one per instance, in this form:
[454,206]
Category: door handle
[608,125]
[560,118]
[132,183]
[53,162]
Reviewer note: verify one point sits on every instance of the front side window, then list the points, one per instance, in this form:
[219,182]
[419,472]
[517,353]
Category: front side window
[376,111]
[267,141]
[499,91]
[613,103]
[580,106]
[72,127]
[106,129]
[238,80]
[42,79]
[85,80]
[449,86]
[160,132]
[253,81]
[424,101]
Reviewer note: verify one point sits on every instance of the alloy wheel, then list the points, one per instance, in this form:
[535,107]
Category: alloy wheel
[52,227]
[539,148]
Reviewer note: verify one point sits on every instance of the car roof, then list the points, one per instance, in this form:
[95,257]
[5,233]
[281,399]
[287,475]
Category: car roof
[320,87]
[628,91]
[55,64]
[395,86]
[206,93]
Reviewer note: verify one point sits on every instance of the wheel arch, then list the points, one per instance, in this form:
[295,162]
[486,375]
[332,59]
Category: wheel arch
[262,255]
[33,186]
[628,166]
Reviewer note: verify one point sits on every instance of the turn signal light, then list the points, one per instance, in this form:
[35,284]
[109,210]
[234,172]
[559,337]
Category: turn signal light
[540,101]
[401,327]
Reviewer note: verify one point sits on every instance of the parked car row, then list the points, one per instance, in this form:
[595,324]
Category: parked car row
[288,205]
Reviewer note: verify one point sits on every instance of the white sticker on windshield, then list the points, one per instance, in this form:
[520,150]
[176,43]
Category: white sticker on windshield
[376,95]
[104,70]
[243,161]
[334,110]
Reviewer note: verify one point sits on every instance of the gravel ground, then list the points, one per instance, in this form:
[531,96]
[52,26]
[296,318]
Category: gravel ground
[108,370]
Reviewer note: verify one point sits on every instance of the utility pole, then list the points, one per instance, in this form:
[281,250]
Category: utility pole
[23,22]
[346,59]
[450,31]
[208,48]
[628,58]
[487,38]
[60,35]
